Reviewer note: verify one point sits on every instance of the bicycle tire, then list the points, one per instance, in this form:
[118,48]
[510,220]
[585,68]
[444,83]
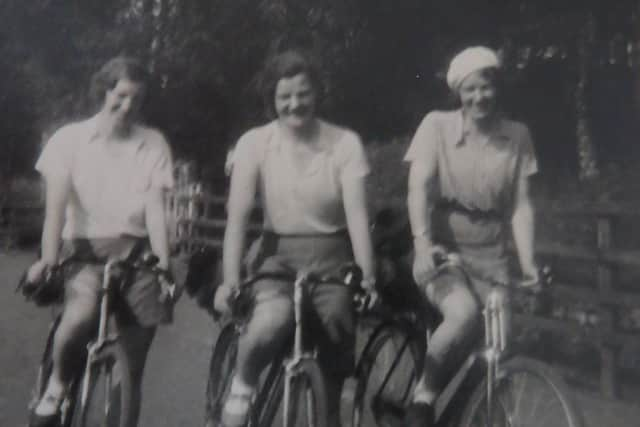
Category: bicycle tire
[400,381]
[511,398]
[108,391]
[307,389]
[221,370]
[46,365]
[44,372]
[269,395]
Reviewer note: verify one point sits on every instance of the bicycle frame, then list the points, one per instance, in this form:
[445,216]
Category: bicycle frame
[298,354]
[103,337]
[495,322]
[496,325]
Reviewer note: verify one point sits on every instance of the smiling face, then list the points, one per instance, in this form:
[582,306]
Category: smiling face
[478,95]
[122,102]
[295,100]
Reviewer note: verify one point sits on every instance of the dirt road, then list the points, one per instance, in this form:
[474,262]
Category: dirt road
[176,371]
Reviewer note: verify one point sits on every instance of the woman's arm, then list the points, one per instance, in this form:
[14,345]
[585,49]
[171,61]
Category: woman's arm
[355,206]
[421,200]
[522,223]
[242,194]
[157,225]
[56,196]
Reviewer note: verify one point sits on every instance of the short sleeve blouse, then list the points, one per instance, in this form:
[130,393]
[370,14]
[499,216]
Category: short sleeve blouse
[309,201]
[477,174]
[108,182]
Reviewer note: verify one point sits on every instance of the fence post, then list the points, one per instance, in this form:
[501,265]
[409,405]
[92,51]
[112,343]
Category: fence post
[608,377]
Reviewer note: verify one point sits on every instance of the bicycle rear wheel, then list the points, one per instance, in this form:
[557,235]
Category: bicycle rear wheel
[305,404]
[103,396]
[387,372]
[221,371]
[527,393]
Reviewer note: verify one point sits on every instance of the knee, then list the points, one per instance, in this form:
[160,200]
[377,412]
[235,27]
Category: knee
[78,317]
[462,309]
[270,320]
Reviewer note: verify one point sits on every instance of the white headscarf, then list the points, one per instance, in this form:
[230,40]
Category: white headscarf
[469,61]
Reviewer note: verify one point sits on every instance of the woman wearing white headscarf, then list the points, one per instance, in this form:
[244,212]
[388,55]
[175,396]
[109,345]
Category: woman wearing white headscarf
[468,183]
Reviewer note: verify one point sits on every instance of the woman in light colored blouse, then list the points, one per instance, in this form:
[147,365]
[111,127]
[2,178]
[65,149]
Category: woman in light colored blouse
[310,175]
[106,178]
[468,182]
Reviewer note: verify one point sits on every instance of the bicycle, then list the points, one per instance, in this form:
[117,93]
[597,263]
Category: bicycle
[493,386]
[100,393]
[293,379]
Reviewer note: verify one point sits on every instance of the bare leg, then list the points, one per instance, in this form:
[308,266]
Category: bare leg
[77,323]
[460,317]
[270,325]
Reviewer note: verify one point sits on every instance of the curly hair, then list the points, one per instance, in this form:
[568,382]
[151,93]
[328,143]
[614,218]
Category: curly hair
[114,70]
[287,64]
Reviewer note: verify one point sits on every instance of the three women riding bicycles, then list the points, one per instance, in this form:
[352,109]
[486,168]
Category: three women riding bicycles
[468,185]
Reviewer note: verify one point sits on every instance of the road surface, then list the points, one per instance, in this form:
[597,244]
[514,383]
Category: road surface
[176,371]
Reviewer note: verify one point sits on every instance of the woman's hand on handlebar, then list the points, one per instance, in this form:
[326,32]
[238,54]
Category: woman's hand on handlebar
[36,273]
[424,263]
[368,284]
[222,298]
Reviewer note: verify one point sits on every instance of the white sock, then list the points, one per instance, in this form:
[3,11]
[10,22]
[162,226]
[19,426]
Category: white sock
[239,387]
[424,396]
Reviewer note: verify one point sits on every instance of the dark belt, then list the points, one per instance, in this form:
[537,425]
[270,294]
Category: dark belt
[474,214]
[339,233]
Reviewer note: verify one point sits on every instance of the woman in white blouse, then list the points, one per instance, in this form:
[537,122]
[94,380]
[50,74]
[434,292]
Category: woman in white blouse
[311,176]
[105,182]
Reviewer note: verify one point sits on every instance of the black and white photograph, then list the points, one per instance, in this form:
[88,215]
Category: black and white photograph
[319,213]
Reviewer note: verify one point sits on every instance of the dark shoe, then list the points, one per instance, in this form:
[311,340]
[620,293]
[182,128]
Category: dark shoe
[48,420]
[36,420]
[419,414]
[387,413]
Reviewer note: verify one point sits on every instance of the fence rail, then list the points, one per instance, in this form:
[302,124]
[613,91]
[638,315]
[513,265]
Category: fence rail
[592,314]
[605,316]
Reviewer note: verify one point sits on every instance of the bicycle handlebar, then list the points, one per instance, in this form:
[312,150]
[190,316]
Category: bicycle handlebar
[533,285]
[240,300]
[45,290]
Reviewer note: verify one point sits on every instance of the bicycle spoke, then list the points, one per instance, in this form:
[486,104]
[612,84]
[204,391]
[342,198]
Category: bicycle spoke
[528,401]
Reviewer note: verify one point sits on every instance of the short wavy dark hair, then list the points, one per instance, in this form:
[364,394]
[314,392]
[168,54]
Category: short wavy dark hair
[287,64]
[107,77]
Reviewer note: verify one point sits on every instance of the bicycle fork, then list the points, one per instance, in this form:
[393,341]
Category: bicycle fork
[495,322]
[102,338]
[298,355]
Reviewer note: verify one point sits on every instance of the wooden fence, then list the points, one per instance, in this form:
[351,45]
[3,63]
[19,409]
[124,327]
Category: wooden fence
[597,308]
[594,309]
[597,315]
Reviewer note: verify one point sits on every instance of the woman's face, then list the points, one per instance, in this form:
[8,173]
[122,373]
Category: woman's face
[295,100]
[122,103]
[478,95]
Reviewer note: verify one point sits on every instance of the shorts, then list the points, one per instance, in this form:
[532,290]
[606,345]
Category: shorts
[330,309]
[488,261]
[140,304]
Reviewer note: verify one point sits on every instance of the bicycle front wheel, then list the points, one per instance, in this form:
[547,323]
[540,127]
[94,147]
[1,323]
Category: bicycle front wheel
[305,402]
[527,393]
[221,371]
[386,375]
[103,395]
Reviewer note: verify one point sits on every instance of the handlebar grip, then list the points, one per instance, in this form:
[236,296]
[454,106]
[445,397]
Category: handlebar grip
[440,258]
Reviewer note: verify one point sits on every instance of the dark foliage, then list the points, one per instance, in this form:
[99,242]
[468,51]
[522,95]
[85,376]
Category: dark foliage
[384,62]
